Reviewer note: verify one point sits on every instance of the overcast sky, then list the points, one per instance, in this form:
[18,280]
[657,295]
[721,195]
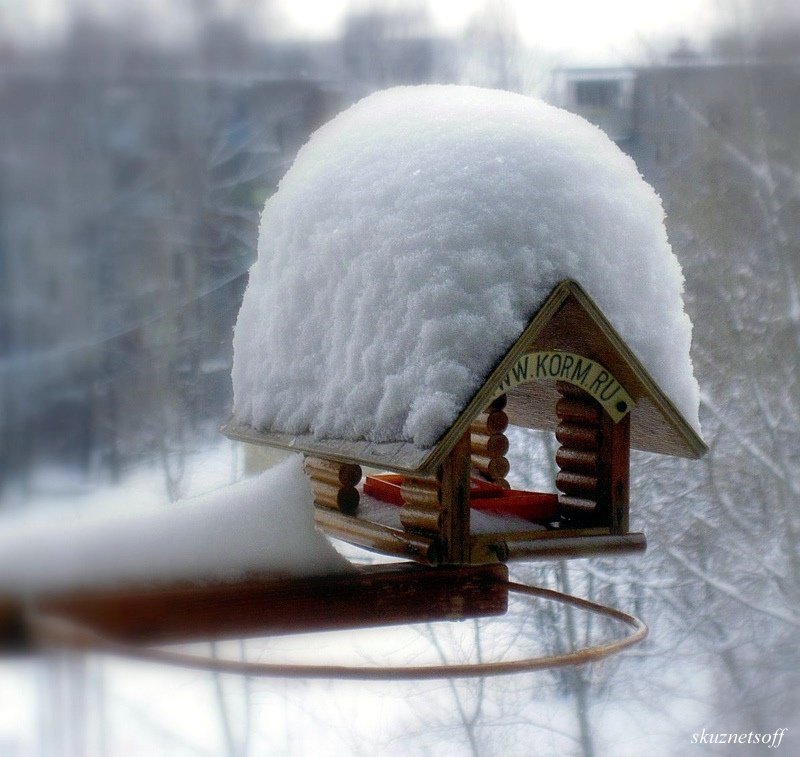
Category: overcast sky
[585,27]
[576,30]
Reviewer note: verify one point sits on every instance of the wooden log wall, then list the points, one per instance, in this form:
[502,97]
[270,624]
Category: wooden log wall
[578,457]
[334,484]
[422,504]
[439,505]
[489,444]
[614,472]
[593,461]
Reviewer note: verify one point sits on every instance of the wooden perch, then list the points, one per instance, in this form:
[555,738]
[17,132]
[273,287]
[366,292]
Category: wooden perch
[406,545]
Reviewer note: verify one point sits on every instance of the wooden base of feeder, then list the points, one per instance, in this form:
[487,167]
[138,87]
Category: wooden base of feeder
[557,543]
[371,596]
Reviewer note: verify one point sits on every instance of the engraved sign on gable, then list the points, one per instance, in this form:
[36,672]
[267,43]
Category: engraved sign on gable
[587,374]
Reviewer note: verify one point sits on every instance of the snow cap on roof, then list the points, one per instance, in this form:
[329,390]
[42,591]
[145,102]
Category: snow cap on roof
[411,242]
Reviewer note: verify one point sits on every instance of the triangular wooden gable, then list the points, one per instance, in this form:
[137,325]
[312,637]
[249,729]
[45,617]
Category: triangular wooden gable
[568,321]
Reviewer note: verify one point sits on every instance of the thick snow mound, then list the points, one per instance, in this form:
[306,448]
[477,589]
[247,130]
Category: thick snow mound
[412,240]
[264,524]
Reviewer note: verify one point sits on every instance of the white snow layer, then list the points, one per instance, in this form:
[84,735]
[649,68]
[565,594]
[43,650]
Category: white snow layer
[264,524]
[412,240]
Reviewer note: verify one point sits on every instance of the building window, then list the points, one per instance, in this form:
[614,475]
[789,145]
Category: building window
[597,94]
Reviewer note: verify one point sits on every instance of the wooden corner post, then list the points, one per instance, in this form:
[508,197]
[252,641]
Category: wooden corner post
[455,528]
[614,495]
[439,505]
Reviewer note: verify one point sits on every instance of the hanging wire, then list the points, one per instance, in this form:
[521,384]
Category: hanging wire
[52,631]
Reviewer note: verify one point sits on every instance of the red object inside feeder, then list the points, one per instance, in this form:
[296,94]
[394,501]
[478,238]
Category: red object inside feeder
[484,495]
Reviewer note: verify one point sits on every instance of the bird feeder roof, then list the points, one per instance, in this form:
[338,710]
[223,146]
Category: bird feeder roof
[568,339]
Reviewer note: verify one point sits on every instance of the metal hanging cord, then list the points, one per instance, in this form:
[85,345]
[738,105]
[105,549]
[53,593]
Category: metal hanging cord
[53,631]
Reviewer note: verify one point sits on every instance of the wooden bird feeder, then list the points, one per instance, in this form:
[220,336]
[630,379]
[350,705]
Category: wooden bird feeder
[568,372]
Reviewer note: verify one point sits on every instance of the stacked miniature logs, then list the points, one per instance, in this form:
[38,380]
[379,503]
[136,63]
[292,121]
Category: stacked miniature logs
[438,505]
[489,444]
[422,503]
[334,484]
[579,431]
